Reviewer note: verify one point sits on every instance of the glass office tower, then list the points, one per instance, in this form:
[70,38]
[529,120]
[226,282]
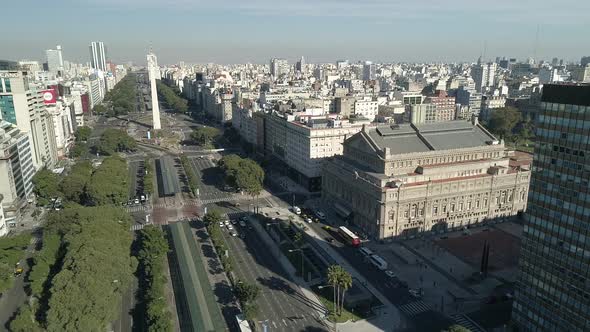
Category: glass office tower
[553,287]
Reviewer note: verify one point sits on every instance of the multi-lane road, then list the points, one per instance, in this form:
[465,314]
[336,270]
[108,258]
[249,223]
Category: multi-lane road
[282,305]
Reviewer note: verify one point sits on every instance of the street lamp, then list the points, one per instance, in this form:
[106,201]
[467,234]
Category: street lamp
[301,252]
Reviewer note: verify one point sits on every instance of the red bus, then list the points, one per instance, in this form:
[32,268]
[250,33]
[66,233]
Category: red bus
[349,236]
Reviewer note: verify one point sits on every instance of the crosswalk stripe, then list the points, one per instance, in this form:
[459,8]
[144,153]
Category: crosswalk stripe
[466,322]
[414,308]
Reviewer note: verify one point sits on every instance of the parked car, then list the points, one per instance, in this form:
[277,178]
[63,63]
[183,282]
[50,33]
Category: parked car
[390,274]
[320,215]
[226,222]
[296,210]
[221,224]
[330,239]
[308,220]
[230,227]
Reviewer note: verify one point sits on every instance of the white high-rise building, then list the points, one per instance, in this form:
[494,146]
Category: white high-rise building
[98,56]
[483,75]
[154,72]
[55,62]
[278,67]
[369,71]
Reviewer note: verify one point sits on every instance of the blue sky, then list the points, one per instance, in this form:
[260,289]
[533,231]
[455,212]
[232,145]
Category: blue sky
[231,31]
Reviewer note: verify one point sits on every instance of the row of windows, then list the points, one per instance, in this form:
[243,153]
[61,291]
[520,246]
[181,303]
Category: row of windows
[561,121]
[557,148]
[571,137]
[565,107]
[541,197]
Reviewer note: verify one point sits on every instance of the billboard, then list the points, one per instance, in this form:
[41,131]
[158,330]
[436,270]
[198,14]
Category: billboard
[49,96]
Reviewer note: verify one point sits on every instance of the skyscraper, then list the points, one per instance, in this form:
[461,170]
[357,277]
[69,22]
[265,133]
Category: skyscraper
[369,71]
[98,58]
[278,67]
[483,75]
[553,292]
[154,72]
[300,65]
[55,62]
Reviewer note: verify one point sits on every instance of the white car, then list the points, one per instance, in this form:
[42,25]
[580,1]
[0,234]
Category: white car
[230,227]
[390,274]
[308,220]
[221,224]
[226,222]
[297,210]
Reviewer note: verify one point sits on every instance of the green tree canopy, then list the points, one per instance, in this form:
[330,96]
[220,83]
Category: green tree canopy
[121,98]
[24,321]
[82,133]
[46,186]
[242,173]
[108,184]
[205,136]
[503,121]
[171,97]
[115,140]
[457,328]
[73,186]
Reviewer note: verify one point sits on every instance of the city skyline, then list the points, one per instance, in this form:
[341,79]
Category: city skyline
[322,31]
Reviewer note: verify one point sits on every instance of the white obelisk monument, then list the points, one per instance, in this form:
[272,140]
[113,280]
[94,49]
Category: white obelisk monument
[154,72]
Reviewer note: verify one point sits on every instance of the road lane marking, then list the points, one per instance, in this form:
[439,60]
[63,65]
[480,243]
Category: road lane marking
[284,322]
[275,324]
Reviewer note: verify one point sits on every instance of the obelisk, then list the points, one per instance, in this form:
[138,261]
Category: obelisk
[154,72]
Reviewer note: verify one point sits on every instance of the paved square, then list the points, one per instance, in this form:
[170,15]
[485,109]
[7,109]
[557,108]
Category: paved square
[504,248]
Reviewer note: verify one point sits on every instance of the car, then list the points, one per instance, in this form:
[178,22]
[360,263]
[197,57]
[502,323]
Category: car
[136,201]
[233,233]
[242,223]
[233,221]
[308,220]
[221,224]
[330,239]
[320,215]
[416,292]
[230,227]
[296,210]
[390,274]
[226,222]
[328,228]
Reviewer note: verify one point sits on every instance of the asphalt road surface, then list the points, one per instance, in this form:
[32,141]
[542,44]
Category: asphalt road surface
[281,304]
[211,179]
[417,312]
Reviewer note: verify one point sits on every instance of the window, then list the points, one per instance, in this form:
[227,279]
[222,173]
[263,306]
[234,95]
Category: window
[453,207]
[435,210]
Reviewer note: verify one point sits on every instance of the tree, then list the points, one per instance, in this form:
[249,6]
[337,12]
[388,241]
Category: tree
[247,293]
[298,239]
[80,149]
[242,173]
[503,121]
[333,278]
[344,282]
[73,186]
[212,217]
[204,136]
[46,186]
[82,133]
[108,184]
[115,140]
[99,109]
[24,321]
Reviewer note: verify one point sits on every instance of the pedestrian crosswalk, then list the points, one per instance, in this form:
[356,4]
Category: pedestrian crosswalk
[467,322]
[136,208]
[414,308]
[137,227]
[233,215]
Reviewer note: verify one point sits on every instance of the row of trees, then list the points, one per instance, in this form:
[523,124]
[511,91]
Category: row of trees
[211,220]
[192,179]
[243,173]
[151,275]
[341,281]
[172,98]
[84,185]
[148,178]
[81,272]
[121,99]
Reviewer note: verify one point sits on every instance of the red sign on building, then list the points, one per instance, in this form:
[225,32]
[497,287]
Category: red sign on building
[49,96]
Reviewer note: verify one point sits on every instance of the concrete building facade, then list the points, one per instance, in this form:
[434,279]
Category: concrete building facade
[401,180]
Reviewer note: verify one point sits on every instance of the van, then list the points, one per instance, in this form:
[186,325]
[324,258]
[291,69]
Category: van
[366,251]
[297,210]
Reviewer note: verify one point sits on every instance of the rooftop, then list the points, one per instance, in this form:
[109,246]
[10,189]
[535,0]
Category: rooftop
[408,138]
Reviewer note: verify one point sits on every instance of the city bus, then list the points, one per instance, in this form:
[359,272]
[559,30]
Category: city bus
[349,236]
[379,262]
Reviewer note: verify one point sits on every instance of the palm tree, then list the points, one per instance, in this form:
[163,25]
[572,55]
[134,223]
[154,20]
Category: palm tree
[333,277]
[345,282]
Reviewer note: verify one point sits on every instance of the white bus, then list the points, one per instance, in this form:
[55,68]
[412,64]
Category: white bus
[243,323]
[379,262]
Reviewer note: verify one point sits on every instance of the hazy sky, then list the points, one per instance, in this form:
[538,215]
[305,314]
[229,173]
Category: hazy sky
[231,31]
